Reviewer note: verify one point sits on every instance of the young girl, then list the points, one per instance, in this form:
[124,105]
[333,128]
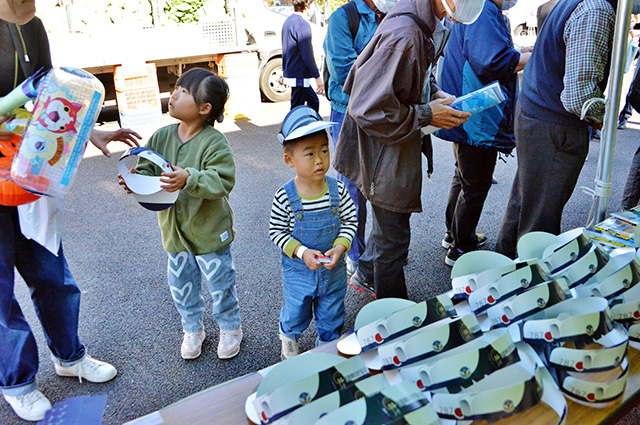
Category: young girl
[197,231]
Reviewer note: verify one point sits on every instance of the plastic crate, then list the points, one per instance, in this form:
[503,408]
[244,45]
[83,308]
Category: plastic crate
[138,78]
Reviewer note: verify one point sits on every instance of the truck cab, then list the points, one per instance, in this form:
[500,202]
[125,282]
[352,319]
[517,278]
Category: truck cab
[263,23]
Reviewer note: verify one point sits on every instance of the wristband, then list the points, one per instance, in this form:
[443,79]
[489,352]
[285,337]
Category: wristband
[300,252]
[427,342]
[524,276]
[404,321]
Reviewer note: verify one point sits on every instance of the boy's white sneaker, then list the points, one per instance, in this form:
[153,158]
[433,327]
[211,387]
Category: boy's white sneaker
[88,368]
[229,345]
[289,347]
[30,406]
[192,345]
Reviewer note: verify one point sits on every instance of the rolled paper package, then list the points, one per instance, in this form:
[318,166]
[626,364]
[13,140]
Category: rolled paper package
[66,109]
[19,95]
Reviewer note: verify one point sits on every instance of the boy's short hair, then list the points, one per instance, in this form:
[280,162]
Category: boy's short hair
[301,121]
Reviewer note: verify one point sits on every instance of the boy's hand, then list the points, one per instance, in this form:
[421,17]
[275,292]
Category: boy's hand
[334,253]
[101,139]
[309,258]
[122,183]
[174,180]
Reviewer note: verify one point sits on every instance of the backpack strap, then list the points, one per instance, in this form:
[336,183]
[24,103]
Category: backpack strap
[353,17]
[423,26]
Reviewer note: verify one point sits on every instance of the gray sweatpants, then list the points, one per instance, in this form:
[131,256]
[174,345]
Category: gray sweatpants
[550,158]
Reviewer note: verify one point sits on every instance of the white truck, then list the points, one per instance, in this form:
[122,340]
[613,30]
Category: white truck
[98,35]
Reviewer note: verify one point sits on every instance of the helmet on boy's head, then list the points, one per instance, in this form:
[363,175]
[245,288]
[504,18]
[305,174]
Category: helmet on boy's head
[301,121]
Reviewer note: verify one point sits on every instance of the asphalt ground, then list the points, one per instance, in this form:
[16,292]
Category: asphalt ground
[127,316]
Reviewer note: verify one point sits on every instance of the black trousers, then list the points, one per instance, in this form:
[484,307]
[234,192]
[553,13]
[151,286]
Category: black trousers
[469,189]
[386,250]
[302,95]
[550,158]
[631,195]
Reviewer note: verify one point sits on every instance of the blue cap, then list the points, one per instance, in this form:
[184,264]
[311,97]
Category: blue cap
[301,121]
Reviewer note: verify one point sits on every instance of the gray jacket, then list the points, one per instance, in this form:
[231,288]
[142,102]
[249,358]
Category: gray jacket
[379,148]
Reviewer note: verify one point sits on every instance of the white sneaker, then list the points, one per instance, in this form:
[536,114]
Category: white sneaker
[289,347]
[30,406]
[229,345]
[88,368]
[192,345]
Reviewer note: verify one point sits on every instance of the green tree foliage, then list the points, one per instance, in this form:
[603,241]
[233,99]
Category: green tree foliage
[183,11]
[333,4]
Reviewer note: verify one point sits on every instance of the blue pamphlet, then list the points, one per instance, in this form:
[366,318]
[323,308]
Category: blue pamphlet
[83,410]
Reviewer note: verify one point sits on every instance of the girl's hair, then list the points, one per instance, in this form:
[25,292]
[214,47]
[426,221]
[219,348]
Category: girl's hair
[206,87]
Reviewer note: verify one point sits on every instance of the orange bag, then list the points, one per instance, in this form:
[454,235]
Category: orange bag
[10,193]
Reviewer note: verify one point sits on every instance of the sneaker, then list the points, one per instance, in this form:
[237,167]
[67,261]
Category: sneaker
[596,135]
[622,124]
[494,180]
[88,368]
[452,255]
[352,266]
[448,240]
[362,285]
[229,345]
[289,347]
[30,406]
[192,345]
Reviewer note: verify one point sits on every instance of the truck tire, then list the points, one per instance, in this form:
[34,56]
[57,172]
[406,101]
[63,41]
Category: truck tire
[271,84]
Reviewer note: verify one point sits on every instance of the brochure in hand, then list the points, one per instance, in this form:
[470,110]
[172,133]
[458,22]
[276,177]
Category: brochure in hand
[475,102]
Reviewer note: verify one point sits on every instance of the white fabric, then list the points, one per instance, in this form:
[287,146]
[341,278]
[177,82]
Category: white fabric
[41,221]
[467,11]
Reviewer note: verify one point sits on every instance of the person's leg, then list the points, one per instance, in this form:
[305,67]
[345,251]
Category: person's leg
[390,235]
[475,173]
[358,244]
[631,195]
[299,287]
[18,350]
[627,110]
[312,99]
[298,96]
[329,304]
[219,274]
[184,277]
[508,236]
[454,192]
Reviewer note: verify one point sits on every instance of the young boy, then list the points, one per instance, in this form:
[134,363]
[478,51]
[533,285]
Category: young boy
[313,221]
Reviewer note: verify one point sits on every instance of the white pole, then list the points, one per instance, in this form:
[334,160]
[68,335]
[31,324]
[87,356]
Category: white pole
[609,129]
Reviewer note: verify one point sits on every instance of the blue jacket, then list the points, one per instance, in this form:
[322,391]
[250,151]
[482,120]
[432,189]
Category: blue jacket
[298,60]
[475,56]
[341,51]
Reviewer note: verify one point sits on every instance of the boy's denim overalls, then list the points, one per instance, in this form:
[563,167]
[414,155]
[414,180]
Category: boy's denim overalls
[313,292]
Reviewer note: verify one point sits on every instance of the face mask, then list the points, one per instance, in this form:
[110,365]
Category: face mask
[467,11]
[508,4]
[384,6]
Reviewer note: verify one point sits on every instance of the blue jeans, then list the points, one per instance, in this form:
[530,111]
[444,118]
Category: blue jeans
[358,245]
[56,298]
[186,272]
[309,292]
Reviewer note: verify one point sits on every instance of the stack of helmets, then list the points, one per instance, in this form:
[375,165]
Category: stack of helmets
[465,373]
